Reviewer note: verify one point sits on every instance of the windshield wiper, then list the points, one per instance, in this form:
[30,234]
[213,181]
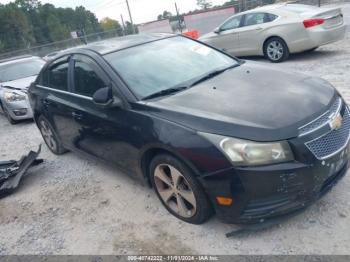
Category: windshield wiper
[165,92]
[212,74]
[197,81]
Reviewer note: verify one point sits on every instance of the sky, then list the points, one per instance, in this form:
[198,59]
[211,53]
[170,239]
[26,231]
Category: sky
[141,10]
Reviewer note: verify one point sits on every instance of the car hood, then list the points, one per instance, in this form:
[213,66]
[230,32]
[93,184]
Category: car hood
[252,101]
[22,83]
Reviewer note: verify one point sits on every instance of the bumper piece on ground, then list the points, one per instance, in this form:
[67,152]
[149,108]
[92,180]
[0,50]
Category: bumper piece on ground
[11,172]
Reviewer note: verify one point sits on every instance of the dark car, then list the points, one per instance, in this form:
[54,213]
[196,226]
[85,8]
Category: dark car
[209,132]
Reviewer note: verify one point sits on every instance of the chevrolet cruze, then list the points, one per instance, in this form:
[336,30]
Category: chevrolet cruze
[210,133]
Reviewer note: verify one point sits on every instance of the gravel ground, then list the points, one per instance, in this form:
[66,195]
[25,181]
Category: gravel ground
[72,205]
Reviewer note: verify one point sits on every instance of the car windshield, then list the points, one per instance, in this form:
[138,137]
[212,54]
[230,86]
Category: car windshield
[20,69]
[165,64]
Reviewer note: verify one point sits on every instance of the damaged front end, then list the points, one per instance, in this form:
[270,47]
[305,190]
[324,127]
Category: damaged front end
[11,172]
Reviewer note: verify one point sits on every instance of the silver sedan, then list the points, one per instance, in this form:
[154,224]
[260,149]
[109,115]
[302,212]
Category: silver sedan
[16,75]
[275,31]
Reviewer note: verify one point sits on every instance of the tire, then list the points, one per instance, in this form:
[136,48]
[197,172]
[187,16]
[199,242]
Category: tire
[276,50]
[51,139]
[165,167]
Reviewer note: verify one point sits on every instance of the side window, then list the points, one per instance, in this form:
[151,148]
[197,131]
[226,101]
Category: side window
[86,80]
[271,17]
[233,23]
[254,19]
[58,76]
[44,78]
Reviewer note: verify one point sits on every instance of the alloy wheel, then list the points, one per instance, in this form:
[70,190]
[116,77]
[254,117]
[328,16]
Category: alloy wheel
[275,50]
[48,135]
[175,191]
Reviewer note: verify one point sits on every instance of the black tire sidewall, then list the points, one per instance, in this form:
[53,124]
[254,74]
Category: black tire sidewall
[60,149]
[285,50]
[204,209]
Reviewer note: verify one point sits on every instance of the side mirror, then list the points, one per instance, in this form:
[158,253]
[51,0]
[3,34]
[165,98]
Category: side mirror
[217,30]
[104,98]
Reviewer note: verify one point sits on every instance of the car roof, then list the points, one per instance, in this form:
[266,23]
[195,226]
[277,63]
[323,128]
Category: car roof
[112,45]
[280,7]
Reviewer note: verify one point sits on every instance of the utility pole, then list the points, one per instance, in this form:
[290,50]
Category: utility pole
[132,23]
[123,25]
[178,17]
[241,5]
[319,3]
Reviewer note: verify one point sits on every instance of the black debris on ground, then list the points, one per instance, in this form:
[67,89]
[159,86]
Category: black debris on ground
[11,172]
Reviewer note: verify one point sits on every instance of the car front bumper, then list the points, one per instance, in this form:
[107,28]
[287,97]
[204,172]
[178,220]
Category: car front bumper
[260,193]
[19,110]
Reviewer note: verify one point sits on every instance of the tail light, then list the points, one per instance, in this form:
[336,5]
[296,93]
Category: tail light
[313,22]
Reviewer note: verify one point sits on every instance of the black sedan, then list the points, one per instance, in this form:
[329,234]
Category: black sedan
[210,133]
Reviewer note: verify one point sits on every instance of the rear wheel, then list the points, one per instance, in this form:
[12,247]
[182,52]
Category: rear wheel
[178,190]
[276,50]
[50,138]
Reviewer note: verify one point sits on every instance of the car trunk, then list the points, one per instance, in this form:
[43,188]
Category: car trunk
[333,17]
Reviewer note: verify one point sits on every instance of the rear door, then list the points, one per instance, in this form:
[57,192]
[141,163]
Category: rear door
[252,32]
[228,39]
[56,98]
[103,132]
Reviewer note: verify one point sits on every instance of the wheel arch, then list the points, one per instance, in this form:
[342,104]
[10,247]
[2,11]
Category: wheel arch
[148,154]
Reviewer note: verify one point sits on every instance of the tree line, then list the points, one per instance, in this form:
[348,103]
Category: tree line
[28,23]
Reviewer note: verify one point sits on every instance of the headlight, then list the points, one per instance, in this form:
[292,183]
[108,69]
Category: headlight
[13,97]
[248,153]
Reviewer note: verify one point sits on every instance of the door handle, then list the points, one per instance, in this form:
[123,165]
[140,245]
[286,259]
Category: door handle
[77,116]
[259,28]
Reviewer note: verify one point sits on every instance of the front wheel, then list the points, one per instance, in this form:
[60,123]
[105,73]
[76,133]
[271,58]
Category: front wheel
[178,190]
[276,50]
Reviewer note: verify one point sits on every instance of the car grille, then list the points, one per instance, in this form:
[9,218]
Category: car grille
[332,142]
[321,120]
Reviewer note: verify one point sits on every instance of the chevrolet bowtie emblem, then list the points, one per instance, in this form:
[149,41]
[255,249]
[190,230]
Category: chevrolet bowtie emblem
[336,122]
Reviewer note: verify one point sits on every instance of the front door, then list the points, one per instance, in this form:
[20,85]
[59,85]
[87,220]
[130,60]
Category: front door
[227,38]
[103,132]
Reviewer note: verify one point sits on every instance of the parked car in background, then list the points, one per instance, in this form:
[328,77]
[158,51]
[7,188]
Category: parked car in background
[16,75]
[209,132]
[275,31]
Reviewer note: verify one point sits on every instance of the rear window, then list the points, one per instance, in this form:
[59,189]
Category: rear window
[299,9]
